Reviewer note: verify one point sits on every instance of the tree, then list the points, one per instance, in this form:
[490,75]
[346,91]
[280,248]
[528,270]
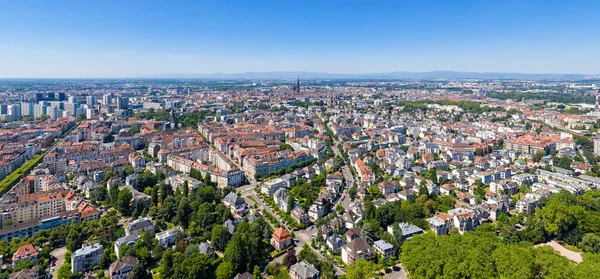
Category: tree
[234,253]
[207,180]
[539,155]
[113,194]
[134,130]
[353,190]
[361,269]
[290,258]
[157,252]
[306,254]
[186,189]
[256,272]
[105,260]
[370,211]
[139,272]
[184,212]
[154,199]
[145,179]
[74,239]
[43,117]
[23,265]
[479,151]
[81,116]
[290,204]
[124,202]
[220,237]
[590,243]
[398,237]
[225,270]
[64,271]
[167,262]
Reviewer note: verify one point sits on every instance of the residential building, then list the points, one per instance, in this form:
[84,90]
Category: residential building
[303,270]
[122,268]
[24,253]
[126,240]
[408,230]
[169,237]
[86,258]
[526,206]
[335,242]
[300,215]
[244,275]
[384,248]
[440,224]
[357,249]
[281,239]
[144,224]
[206,248]
[236,204]
[27,273]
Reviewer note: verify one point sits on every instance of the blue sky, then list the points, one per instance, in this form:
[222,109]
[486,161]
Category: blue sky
[135,38]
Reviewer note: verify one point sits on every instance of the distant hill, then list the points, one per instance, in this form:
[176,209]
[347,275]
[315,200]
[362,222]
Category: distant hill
[392,75]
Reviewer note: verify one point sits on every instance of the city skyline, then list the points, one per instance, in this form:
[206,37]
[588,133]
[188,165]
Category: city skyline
[136,39]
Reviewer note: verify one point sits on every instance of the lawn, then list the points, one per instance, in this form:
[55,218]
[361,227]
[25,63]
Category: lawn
[12,179]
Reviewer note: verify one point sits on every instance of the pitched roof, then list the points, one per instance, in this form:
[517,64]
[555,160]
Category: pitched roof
[358,246]
[304,270]
[244,275]
[25,274]
[280,234]
[24,252]
[123,262]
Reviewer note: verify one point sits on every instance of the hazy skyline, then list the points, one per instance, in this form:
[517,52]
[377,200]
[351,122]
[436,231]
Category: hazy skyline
[149,38]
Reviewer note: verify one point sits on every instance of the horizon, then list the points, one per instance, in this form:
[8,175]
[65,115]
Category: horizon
[139,39]
[308,75]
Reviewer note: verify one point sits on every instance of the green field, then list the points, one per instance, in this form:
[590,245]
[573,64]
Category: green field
[19,173]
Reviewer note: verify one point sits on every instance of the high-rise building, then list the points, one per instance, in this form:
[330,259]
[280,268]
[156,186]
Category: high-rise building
[3,109]
[62,96]
[91,101]
[89,113]
[597,106]
[14,110]
[596,145]
[54,112]
[122,102]
[39,110]
[73,99]
[26,108]
[107,99]
[71,109]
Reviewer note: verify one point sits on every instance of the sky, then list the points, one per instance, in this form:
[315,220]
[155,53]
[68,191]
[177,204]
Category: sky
[146,38]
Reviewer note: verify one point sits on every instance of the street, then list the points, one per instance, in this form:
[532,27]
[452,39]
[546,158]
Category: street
[399,273]
[301,236]
[60,259]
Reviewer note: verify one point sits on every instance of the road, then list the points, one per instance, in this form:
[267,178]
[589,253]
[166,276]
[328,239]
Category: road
[571,255]
[345,199]
[399,273]
[580,150]
[59,253]
[248,192]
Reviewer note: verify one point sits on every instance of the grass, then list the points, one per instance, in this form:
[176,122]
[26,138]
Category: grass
[12,179]
[253,199]
[278,253]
